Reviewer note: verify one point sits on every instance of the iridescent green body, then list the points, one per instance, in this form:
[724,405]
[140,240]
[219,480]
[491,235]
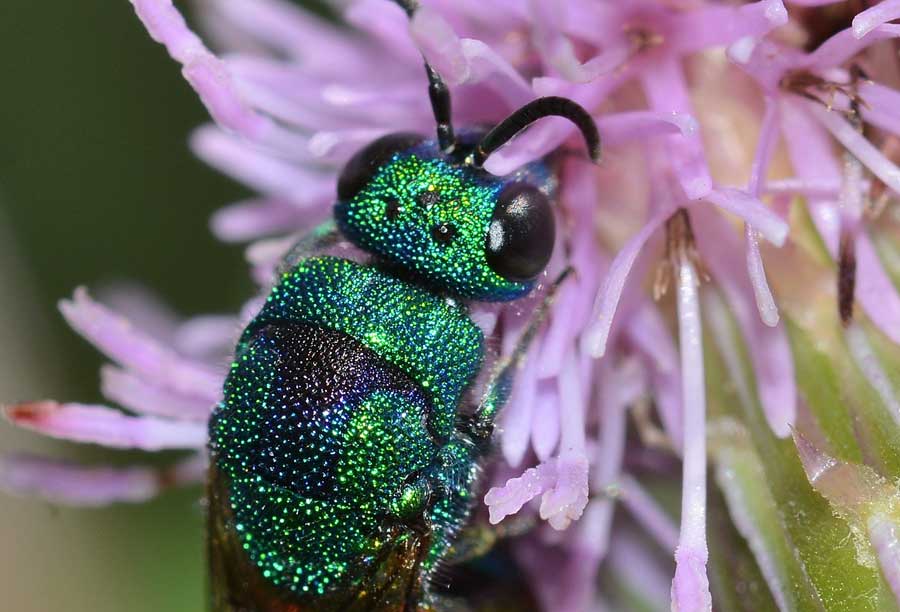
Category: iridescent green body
[307,512]
[345,451]
[400,212]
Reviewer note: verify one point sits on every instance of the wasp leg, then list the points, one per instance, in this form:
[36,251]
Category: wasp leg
[319,238]
[478,539]
[481,423]
[444,603]
[479,568]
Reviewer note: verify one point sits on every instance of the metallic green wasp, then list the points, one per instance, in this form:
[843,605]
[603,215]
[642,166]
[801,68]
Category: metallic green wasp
[345,454]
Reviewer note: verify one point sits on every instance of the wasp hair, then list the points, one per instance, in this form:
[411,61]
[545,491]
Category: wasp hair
[438,92]
[549,106]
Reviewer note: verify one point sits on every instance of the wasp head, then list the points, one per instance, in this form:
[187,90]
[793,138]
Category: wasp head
[445,220]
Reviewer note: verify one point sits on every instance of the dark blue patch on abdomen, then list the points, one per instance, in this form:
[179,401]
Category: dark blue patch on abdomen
[288,402]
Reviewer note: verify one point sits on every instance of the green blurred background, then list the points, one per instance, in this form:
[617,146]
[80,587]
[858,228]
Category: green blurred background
[96,186]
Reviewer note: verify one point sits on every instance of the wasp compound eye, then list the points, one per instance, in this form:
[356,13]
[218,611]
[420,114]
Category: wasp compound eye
[520,236]
[366,162]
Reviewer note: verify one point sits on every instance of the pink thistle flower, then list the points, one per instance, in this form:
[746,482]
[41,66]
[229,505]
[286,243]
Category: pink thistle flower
[292,97]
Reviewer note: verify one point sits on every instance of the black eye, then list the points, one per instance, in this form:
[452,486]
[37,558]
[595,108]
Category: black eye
[360,169]
[392,209]
[443,233]
[520,237]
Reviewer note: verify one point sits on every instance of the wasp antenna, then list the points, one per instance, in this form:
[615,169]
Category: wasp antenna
[410,6]
[438,93]
[549,106]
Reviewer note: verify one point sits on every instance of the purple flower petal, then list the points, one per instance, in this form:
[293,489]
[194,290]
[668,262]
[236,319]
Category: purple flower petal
[611,450]
[611,292]
[639,566]
[207,337]
[572,309]
[508,500]
[440,44]
[204,71]
[252,219]
[690,587]
[316,42]
[573,398]
[861,148]
[340,145]
[769,347]
[557,51]
[106,427]
[385,23]
[261,171]
[562,570]
[145,398]
[562,481]
[752,211]
[518,416]
[714,26]
[648,513]
[267,254]
[143,307]
[130,347]
[619,128]
[871,367]
[566,500]
[667,91]
[868,20]
[768,134]
[490,68]
[874,289]
[765,302]
[844,45]
[545,427]
[647,331]
[486,317]
[882,106]
[78,485]
[796,186]
[261,83]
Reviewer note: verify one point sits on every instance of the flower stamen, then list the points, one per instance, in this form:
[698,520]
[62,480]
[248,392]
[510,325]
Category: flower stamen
[640,40]
[680,246]
[823,91]
[649,432]
[846,279]
[851,200]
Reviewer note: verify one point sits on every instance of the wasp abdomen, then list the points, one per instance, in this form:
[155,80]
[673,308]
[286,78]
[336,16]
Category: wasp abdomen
[337,473]
[316,431]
